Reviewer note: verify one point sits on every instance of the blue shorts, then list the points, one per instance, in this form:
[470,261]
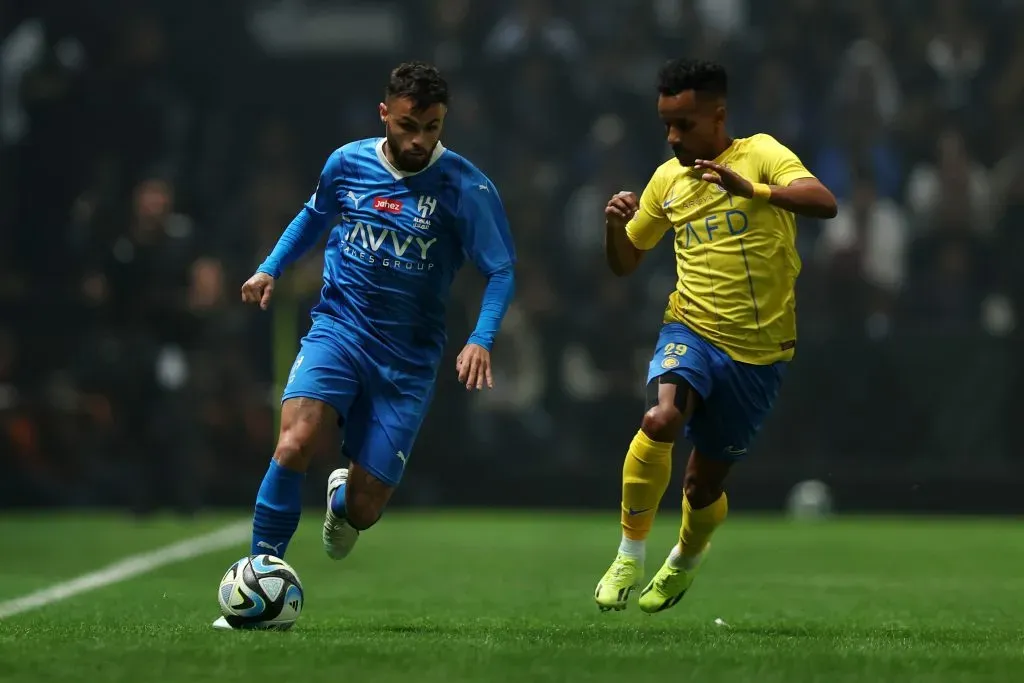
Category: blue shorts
[736,397]
[380,408]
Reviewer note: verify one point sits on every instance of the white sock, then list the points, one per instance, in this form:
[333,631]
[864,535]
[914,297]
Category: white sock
[635,549]
[677,561]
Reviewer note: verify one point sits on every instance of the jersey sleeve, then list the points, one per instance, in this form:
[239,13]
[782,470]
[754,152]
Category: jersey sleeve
[779,165]
[310,222]
[483,226]
[324,200]
[650,223]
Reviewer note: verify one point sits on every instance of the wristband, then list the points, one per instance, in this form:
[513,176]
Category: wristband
[761,191]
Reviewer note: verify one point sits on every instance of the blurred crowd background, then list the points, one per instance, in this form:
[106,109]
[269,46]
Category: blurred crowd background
[152,151]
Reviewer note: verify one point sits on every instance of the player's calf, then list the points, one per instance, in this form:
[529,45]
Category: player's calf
[355,501]
[705,505]
[366,496]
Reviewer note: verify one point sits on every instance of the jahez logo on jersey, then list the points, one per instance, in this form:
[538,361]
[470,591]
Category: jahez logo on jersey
[387,205]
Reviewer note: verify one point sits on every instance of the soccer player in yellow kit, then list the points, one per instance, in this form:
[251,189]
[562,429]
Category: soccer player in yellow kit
[730,326]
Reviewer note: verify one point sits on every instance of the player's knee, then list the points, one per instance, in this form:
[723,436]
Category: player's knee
[294,449]
[662,423]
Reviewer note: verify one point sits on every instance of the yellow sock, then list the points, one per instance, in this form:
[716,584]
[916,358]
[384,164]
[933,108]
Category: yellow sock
[645,476]
[698,525]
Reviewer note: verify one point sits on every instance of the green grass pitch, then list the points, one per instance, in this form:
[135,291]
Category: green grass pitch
[507,597]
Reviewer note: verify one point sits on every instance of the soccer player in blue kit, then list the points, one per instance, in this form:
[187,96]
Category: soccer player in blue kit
[411,212]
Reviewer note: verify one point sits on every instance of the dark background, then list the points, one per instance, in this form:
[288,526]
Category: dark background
[152,152]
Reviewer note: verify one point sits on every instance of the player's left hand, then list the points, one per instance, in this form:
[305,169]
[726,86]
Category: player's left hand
[474,367]
[726,178]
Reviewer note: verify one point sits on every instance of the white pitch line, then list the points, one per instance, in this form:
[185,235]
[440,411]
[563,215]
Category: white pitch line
[128,568]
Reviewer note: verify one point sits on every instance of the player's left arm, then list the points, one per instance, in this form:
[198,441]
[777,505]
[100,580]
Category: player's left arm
[783,181]
[487,240]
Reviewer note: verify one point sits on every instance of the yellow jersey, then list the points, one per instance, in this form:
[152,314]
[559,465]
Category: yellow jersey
[736,258]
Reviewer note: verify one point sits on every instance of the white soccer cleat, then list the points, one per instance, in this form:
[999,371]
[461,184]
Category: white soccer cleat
[223,624]
[339,537]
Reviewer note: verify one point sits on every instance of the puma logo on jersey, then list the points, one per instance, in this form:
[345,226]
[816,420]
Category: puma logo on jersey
[355,198]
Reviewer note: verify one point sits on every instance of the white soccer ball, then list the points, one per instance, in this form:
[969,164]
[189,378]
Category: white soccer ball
[810,500]
[260,592]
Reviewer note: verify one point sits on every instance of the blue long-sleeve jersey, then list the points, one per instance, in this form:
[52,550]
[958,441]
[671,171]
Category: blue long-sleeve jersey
[401,238]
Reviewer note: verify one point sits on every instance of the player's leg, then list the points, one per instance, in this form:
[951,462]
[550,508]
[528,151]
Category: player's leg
[674,373]
[306,426]
[722,430]
[366,496]
[379,439]
[320,389]
[356,499]
[355,496]
[705,507]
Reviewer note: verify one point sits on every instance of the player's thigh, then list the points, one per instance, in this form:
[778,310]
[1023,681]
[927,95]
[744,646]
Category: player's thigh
[323,383]
[383,427]
[325,370]
[680,375]
[725,426]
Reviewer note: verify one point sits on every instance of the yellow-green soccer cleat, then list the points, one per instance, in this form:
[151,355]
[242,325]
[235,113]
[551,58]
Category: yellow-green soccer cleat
[618,582]
[668,587]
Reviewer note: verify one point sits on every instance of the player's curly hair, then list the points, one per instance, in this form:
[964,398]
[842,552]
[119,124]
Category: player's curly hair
[420,82]
[701,76]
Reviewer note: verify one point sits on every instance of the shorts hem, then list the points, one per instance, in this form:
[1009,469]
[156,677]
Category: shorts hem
[681,371]
[313,395]
[720,454]
[390,481]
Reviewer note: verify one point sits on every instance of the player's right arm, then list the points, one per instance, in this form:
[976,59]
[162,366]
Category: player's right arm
[633,226]
[302,233]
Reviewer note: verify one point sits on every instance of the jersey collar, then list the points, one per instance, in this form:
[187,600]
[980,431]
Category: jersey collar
[398,174]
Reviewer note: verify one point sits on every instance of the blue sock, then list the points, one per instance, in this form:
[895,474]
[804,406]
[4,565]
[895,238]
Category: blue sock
[278,505]
[338,501]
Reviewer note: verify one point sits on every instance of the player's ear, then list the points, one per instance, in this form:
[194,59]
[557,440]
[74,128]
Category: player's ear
[720,114]
[382,109]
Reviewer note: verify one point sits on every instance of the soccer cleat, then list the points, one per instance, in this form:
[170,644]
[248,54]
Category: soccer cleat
[223,624]
[339,537]
[668,587]
[618,582]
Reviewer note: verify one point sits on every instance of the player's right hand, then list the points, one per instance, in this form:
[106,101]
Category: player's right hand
[620,209]
[257,290]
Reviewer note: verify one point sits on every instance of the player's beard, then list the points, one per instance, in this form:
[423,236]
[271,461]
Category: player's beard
[408,162]
[683,157]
